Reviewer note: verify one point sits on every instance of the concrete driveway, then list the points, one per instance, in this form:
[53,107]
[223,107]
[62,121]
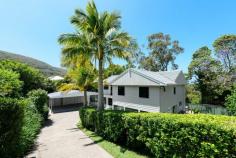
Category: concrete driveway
[60,138]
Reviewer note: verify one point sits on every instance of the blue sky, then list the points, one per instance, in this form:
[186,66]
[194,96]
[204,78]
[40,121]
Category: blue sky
[31,27]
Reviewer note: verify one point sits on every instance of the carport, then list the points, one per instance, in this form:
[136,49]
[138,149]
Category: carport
[73,97]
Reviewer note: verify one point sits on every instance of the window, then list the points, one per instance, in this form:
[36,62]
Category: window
[164,89]
[174,90]
[111,90]
[121,90]
[143,92]
[109,101]
[105,86]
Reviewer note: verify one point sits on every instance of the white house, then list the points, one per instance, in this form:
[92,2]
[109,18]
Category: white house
[146,91]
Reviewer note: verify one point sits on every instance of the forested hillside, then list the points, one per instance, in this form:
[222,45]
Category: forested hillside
[45,68]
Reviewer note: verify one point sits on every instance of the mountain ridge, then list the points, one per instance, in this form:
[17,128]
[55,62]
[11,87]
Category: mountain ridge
[43,67]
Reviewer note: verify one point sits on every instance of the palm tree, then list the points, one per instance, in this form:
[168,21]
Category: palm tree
[82,78]
[98,37]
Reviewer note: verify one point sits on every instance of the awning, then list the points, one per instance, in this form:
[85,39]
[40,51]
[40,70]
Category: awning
[68,94]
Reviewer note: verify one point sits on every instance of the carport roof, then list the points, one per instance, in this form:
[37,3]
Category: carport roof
[68,94]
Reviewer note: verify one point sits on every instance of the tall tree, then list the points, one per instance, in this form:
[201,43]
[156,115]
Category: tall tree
[99,37]
[206,73]
[225,50]
[163,52]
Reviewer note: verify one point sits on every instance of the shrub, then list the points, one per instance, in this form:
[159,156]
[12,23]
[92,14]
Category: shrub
[11,117]
[31,77]
[31,127]
[166,135]
[40,99]
[10,84]
[106,123]
[231,102]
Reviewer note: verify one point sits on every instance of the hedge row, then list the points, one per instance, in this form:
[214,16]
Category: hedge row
[20,122]
[166,135]
[11,121]
[39,98]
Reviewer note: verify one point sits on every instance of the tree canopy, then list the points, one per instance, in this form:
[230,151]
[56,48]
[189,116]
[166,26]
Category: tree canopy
[10,84]
[163,52]
[225,50]
[31,78]
[98,37]
[207,74]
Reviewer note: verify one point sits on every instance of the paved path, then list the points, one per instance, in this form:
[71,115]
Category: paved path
[60,138]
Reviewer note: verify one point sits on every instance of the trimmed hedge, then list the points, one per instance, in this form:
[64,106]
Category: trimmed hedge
[11,120]
[107,124]
[166,135]
[32,123]
[39,98]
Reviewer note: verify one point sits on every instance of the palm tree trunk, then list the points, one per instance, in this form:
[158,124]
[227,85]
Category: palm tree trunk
[100,85]
[85,98]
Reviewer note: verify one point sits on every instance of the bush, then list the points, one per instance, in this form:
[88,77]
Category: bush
[231,102]
[31,77]
[166,135]
[40,99]
[10,84]
[107,124]
[11,118]
[31,127]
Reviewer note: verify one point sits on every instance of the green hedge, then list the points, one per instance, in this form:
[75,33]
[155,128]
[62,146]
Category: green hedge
[11,120]
[39,98]
[31,126]
[166,135]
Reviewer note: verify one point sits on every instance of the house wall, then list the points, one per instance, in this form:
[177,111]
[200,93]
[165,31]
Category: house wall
[132,95]
[169,99]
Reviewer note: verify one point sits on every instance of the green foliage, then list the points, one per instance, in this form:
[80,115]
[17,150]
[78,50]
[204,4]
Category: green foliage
[43,67]
[114,149]
[98,39]
[225,50]
[106,123]
[10,84]
[193,95]
[166,135]
[209,79]
[163,52]
[40,99]
[31,78]
[11,120]
[31,127]
[113,69]
[231,102]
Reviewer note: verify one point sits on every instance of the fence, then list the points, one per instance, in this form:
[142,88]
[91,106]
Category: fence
[208,109]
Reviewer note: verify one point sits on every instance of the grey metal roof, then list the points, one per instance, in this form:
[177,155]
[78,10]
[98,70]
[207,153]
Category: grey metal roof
[162,77]
[68,94]
[110,79]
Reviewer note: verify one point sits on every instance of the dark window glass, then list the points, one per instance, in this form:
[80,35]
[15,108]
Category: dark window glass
[111,90]
[144,92]
[174,90]
[105,86]
[109,101]
[121,90]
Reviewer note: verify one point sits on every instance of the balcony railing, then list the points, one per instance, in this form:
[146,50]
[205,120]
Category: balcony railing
[138,107]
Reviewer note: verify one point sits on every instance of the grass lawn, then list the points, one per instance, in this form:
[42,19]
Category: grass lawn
[115,150]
